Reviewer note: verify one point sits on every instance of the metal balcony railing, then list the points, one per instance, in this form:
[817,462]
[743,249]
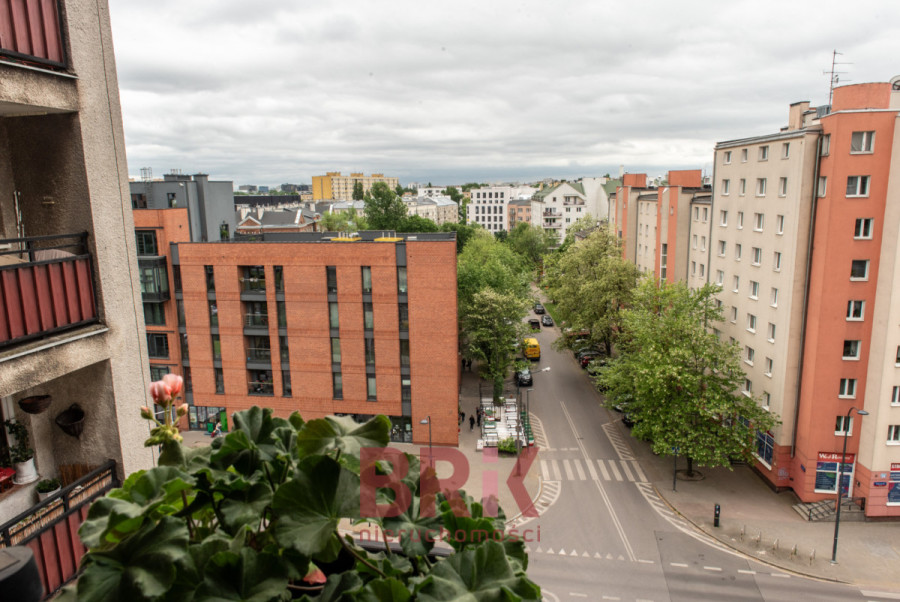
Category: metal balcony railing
[46,287]
[260,387]
[30,31]
[256,320]
[259,354]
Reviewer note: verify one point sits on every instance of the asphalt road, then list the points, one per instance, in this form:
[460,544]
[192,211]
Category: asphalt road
[604,534]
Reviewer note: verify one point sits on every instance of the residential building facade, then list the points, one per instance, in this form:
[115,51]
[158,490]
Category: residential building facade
[488,206]
[438,208]
[336,187]
[211,203]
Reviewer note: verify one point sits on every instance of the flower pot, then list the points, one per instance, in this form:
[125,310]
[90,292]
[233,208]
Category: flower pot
[26,472]
[45,495]
[71,421]
[35,404]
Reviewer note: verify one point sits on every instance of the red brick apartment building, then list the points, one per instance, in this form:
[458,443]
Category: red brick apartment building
[314,323]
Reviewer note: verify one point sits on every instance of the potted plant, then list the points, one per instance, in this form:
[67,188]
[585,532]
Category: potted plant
[47,487]
[21,454]
[255,515]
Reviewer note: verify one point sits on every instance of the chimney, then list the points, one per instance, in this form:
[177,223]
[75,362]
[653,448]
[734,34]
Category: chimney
[795,115]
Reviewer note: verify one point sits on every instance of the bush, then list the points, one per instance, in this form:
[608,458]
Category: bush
[47,485]
[507,446]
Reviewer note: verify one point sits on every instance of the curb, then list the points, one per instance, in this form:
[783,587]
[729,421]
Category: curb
[540,492]
[744,554]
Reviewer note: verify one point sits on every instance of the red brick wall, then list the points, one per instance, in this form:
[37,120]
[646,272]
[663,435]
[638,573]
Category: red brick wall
[687,178]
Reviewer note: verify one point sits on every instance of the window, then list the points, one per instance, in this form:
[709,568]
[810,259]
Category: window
[770,365]
[851,350]
[146,242]
[743,155]
[763,153]
[743,186]
[759,221]
[893,437]
[721,248]
[740,220]
[748,387]
[757,255]
[727,157]
[401,280]
[154,315]
[702,243]
[723,218]
[782,186]
[859,269]
[720,277]
[370,388]
[826,145]
[863,228]
[220,380]
[335,350]
[737,284]
[157,372]
[216,348]
[855,310]
[767,401]
[694,241]
[663,258]
[774,297]
[843,424]
[770,334]
[213,314]
[857,186]
[366,280]
[895,396]
[751,322]
[157,345]
[897,361]
[738,249]
[370,351]
[779,224]
[404,352]
[693,268]
[404,317]
[754,289]
[861,142]
[776,264]
[847,388]
[749,354]
[278,271]
[331,279]
[733,315]
[822,187]
[785,150]
[337,385]
[333,315]
[760,187]
[726,186]
[285,383]
[368,316]
[765,447]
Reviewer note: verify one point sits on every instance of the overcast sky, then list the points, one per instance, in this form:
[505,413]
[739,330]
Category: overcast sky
[274,91]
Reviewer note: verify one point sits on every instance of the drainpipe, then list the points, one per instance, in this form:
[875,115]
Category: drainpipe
[809,250]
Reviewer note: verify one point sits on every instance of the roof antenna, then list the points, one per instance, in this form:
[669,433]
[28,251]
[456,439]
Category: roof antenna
[835,75]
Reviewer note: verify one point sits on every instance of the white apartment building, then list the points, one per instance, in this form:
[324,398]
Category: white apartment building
[488,206]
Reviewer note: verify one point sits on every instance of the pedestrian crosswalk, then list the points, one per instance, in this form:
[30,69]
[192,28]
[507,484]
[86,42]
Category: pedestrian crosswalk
[578,469]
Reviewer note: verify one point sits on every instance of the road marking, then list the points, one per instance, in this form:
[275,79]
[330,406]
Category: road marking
[783,575]
[678,564]
[578,469]
[577,595]
[562,552]
[558,477]
[599,484]
[874,594]
[569,474]
[639,472]
[590,467]
[746,572]
[574,553]
[611,598]
[646,561]
[603,470]
[615,471]
[545,472]
[627,470]
[712,568]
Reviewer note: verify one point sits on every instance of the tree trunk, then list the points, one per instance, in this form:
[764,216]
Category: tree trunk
[690,468]
[498,389]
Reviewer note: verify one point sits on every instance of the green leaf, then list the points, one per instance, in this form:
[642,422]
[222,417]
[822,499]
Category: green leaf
[309,506]
[109,520]
[344,434]
[245,507]
[339,584]
[244,576]
[296,421]
[381,590]
[484,574]
[142,566]
[417,533]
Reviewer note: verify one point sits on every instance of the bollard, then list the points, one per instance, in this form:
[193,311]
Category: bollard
[743,530]
[794,552]
[716,516]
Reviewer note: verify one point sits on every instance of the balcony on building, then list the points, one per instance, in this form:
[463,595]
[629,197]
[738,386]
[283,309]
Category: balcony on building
[154,277]
[32,34]
[573,200]
[552,224]
[552,213]
[253,283]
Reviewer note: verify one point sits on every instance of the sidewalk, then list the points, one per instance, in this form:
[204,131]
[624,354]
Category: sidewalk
[868,552]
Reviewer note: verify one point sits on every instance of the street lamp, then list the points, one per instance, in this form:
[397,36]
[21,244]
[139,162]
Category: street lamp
[840,490]
[430,450]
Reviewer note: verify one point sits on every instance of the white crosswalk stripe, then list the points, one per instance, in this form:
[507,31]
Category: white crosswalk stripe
[569,474]
[572,469]
[614,470]
[578,469]
[603,470]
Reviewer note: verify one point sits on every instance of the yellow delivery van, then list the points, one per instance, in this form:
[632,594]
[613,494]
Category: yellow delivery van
[531,348]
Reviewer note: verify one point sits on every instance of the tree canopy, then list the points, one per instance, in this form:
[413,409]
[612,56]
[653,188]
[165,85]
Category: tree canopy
[486,263]
[358,193]
[531,242]
[464,232]
[416,223]
[384,209]
[680,383]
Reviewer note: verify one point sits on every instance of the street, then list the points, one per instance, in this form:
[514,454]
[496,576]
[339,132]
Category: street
[604,532]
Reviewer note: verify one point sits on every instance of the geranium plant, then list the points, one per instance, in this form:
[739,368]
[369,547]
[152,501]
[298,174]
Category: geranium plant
[254,516]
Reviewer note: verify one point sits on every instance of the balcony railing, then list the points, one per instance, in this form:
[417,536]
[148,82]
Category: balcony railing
[259,354]
[256,320]
[46,286]
[50,528]
[552,225]
[552,213]
[30,31]
[260,387]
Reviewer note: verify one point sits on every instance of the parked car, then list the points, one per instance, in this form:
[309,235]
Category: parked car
[534,323]
[585,350]
[539,309]
[588,357]
[523,378]
[547,320]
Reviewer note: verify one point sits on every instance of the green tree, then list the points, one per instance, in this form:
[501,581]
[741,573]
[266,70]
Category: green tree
[493,326]
[582,224]
[531,242]
[334,221]
[358,193]
[463,233]
[486,263]
[455,195]
[680,382]
[399,190]
[590,284]
[384,209]
[416,223]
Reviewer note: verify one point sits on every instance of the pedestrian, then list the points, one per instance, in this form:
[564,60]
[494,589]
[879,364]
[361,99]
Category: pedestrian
[478,417]
[462,417]
[471,423]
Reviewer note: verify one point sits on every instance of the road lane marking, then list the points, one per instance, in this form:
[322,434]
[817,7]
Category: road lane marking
[599,484]
[562,552]
[578,469]
[874,594]
[590,467]
[603,470]
[557,476]
[577,595]
[615,471]
[746,572]
[646,561]
[638,471]
[679,564]
[611,598]
[569,474]
[712,568]
[783,575]
[545,472]
[627,470]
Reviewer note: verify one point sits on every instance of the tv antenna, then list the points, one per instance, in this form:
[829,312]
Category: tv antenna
[835,76]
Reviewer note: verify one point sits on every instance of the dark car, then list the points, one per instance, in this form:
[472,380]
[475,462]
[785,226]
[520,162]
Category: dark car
[534,323]
[523,378]
[586,350]
[539,309]
[547,320]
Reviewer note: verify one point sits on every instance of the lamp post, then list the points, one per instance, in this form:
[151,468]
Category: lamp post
[840,490]
[430,449]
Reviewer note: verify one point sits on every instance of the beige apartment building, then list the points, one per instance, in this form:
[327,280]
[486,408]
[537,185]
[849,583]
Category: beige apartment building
[438,208]
[71,327]
[336,187]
